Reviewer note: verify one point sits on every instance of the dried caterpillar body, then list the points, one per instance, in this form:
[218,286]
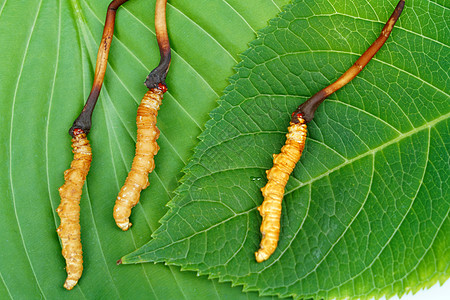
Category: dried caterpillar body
[146,146]
[283,165]
[69,209]
[143,162]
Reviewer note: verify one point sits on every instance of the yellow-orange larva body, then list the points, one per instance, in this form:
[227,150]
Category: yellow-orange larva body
[143,162]
[69,209]
[283,165]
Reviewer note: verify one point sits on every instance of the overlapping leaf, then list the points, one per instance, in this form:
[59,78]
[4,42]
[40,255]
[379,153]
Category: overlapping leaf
[48,50]
[366,212]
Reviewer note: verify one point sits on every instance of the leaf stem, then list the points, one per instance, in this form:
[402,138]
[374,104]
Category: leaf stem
[84,120]
[308,108]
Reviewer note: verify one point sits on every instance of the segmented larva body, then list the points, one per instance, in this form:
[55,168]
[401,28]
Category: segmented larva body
[143,162]
[69,208]
[283,165]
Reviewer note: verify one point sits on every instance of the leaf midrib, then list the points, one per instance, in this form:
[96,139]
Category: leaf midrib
[373,151]
[346,161]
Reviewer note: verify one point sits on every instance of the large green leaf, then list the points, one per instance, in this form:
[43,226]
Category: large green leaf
[48,51]
[366,212]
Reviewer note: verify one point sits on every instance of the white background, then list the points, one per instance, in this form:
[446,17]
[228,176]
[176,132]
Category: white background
[436,292]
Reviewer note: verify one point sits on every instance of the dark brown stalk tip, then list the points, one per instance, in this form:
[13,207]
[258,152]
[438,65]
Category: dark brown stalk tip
[158,75]
[83,121]
[119,262]
[307,109]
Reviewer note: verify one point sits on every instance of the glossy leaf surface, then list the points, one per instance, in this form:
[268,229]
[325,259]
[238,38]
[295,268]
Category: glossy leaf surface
[366,211]
[48,51]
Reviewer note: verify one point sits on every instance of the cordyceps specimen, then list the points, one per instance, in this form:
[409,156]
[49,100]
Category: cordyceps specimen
[284,163]
[147,132]
[70,192]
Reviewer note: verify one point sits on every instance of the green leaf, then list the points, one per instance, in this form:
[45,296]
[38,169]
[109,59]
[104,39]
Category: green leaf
[48,52]
[366,211]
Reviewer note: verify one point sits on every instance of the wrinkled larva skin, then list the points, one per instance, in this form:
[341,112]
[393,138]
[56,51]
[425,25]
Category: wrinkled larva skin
[69,209]
[143,162]
[283,165]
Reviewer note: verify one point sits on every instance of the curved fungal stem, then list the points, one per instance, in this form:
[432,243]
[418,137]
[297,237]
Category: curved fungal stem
[75,176]
[308,108]
[84,120]
[158,75]
[147,132]
[284,163]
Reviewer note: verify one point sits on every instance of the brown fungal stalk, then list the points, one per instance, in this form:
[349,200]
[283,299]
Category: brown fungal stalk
[75,176]
[284,163]
[147,132]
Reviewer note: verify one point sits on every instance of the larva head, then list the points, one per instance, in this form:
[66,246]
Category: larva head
[84,120]
[162,87]
[157,77]
[77,131]
[83,123]
[307,109]
[297,117]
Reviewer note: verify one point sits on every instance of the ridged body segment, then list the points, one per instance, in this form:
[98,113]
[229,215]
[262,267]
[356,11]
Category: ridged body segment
[143,162]
[69,209]
[270,210]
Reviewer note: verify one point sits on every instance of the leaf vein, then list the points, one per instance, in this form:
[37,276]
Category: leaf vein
[19,78]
